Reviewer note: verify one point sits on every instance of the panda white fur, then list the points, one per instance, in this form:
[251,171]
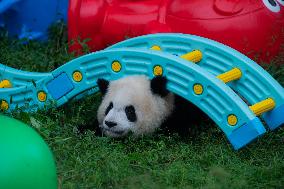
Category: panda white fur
[139,105]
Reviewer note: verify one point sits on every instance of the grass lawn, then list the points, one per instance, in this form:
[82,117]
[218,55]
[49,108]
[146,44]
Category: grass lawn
[87,161]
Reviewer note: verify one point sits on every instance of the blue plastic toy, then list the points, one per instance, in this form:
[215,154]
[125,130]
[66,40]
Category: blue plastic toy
[207,73]
[31,18]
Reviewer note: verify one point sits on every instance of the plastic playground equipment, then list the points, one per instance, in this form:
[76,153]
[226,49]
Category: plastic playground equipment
[31,18]
[228,86]
[254,28]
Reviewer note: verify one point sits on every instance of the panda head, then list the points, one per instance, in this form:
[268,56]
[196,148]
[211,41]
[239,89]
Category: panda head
[134,104]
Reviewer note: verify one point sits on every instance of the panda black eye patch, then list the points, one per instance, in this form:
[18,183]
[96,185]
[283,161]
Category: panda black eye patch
[130,113]
[110,106]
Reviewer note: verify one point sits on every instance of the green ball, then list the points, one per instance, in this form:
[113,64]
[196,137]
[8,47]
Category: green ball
[26,162]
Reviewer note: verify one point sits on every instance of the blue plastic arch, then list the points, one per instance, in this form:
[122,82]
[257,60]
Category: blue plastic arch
[255,84]
[217,99]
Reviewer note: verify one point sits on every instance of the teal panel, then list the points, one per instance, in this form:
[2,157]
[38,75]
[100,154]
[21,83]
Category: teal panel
[59,86]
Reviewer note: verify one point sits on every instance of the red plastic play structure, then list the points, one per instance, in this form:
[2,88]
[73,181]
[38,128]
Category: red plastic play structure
[254,27]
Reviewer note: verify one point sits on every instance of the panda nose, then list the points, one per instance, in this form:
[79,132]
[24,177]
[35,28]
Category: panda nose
[110,124]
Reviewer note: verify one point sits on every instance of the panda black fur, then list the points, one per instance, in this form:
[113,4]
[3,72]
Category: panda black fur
[139,105]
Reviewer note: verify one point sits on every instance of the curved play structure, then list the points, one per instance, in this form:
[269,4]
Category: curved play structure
[242,74]
[232,89]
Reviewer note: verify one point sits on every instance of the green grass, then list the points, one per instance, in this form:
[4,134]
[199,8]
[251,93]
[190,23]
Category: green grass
[88,161]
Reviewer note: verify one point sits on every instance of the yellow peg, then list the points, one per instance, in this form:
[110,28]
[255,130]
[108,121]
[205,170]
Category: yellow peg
[263,106]
[156,48]
[77,76]
[232,120]
[4,105]
[41,96]
[5,84]
[230,75]
[116,66]
[193,56]
[158,70]
[198,89]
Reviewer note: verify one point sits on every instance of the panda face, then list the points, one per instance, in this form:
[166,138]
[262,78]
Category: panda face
[134,104]
[119,120]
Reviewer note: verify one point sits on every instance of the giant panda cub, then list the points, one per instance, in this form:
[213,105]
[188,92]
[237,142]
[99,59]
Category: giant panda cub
[139,105]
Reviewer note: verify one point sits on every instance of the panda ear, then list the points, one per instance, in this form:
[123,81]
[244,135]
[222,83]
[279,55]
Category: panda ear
[159,86]
[103,85]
